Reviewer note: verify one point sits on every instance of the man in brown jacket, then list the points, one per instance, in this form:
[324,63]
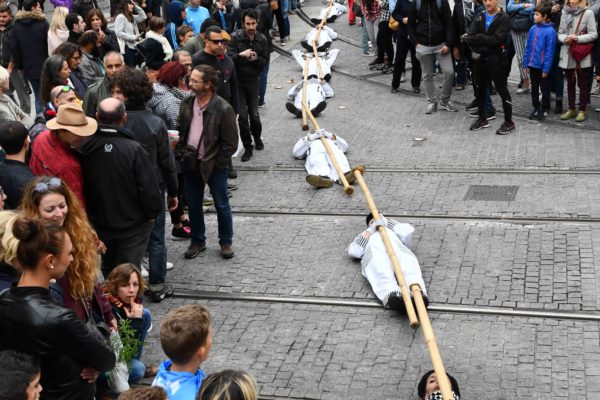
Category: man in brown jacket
[208,138]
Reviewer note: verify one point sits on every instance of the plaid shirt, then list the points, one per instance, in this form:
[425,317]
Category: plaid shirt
[370,11]
[385,11]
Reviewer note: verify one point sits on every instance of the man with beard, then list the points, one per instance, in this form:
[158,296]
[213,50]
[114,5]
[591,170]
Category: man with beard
[214,55]
[113,63]
[250,52]
[207,140]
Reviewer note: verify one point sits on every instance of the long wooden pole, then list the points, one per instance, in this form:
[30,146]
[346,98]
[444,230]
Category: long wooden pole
[304,90]
[316,39]
[349,190]
[410,310]
[434,351]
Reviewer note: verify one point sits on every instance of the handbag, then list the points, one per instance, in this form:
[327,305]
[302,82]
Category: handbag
[118,378]
[99,330]
[393,24]
[521,22]
[579,51]
[274,5]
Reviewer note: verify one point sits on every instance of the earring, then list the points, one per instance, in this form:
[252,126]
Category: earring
[51,266]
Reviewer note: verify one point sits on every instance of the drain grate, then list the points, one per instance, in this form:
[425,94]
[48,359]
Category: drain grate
[491,193]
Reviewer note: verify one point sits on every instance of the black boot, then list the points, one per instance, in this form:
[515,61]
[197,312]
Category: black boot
[247,154]
[559,107]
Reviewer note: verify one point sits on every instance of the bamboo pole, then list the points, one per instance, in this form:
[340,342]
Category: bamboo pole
[318,60]
[349,190]
[410,310]
[316,39]
[434,351]
[304,90]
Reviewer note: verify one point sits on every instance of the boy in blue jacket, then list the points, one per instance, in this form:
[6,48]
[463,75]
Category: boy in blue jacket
[537,59]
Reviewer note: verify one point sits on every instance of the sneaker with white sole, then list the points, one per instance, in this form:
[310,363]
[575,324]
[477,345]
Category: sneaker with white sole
[478,124]
[448,106]
[145,273]
[431,108]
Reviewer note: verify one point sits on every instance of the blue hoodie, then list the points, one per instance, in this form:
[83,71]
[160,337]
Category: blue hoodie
[174,21]
[178,385]
[195,16]
[540,47]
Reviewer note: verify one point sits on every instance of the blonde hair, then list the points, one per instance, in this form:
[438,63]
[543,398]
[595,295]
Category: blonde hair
[83,272]
[228,385]
[3,75]
[8,243]
[58,19]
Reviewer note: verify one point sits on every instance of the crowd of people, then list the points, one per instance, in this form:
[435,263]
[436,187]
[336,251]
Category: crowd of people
[477,40]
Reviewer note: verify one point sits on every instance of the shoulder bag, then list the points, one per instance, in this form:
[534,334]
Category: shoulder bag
[580,51]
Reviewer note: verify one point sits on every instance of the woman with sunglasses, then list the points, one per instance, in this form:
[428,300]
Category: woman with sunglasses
[70,356]
[51,200]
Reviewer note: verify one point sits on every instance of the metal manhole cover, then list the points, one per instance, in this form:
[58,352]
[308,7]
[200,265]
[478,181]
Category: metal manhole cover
[491,193]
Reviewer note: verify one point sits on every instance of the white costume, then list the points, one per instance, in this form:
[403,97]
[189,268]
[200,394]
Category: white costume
[376,264]
[331,13]
[318,162]
[315,97]
[325,59]
[325,38]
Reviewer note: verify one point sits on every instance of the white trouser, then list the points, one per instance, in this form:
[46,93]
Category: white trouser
[319,163]
[314,95]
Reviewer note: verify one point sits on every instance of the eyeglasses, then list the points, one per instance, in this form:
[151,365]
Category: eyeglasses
[43,187]
[193,81]
[217,41]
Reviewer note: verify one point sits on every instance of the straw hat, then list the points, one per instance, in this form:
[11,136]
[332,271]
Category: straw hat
[70,117]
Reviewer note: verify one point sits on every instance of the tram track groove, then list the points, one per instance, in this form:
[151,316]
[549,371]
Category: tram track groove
[346,302]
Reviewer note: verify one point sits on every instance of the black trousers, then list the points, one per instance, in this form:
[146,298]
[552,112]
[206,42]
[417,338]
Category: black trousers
[403,46]
[125,246]
[484,72]
[385,46]
[248,119]
[537,83]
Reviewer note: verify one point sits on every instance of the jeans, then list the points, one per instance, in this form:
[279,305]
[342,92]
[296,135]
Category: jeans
[263,84]
[194,193]
[35,85]
[364,38]
[157,253]
[137,369]
[557,76]
[484,72]
[180,210]
[403,46]
[426,56]
[579,76]
[293,5]
[249,120]
[537,83]
[461,67]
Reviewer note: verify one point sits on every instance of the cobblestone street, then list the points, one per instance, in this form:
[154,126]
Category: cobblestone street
[274,304]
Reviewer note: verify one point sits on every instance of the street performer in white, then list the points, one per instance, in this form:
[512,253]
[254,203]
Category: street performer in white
[320,169]
[368,246]
[326,37]
[316,93]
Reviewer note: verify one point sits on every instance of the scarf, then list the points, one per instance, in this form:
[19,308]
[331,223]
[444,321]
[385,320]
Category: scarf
[168,50]
[569,13]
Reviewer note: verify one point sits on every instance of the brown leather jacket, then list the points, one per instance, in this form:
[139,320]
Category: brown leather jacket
[220,135]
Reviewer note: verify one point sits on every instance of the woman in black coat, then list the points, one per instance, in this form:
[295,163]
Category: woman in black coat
[70,355]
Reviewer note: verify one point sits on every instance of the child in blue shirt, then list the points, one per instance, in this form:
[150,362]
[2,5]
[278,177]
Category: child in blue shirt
[186,338]
[537,59]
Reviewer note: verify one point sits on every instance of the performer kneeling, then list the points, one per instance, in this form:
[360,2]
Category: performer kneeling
[315,97]
[320,169]
[376,265]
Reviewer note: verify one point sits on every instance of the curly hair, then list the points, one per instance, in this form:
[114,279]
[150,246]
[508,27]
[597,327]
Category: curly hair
[8,242]
[134,84]
[82,274]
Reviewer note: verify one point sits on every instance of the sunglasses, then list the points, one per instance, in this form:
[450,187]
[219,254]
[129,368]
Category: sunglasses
[217,41]
[43,187]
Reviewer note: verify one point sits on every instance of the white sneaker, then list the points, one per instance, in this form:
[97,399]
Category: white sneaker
[145,273]
[170,265]
[403,78]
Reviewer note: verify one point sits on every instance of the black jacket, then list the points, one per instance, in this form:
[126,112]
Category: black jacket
[153,54]
[245,68]
[5,56]
[228,88]
[219,133]
[120,193]
[431,26]
[32,323]
[74,37]
[151,132]
[490,45]
[29,43]
[83,7]
[14,177]
[79,83]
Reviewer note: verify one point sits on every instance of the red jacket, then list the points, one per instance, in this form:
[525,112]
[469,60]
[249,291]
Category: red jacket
[50,156]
